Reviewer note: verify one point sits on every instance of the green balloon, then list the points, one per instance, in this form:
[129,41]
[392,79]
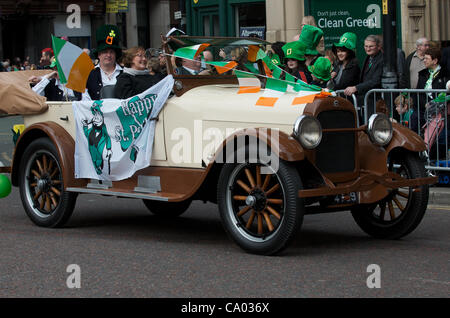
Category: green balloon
[5,186]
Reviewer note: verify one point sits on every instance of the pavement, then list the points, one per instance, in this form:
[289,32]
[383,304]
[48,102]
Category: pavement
[439,196]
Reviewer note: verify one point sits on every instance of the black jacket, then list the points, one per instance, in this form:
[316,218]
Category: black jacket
[53,93]
[439,80]
[371,76]
[129,85]
[350,75]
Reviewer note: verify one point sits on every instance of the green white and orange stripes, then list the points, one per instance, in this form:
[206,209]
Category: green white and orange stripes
[74,65]
[275,88]
[191,52]
[223,67]
[248,83]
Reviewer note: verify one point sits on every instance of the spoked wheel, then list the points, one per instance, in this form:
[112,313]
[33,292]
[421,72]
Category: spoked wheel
[260,211]
[402,210]
[41,185]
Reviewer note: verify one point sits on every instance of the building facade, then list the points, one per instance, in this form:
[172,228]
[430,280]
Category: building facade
[26,25]
[415,19]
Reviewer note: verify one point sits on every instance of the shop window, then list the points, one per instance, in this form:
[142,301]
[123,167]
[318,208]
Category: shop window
[250,20]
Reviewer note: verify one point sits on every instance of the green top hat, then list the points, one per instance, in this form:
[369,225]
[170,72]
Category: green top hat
[347,40]
[311,36]
[294,50]
[108,37]
[321,69]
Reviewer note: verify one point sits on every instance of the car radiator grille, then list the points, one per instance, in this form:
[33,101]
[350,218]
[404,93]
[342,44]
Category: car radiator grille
[336,152]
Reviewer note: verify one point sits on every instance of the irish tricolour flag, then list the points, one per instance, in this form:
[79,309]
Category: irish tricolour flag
[74,65]
[191,52]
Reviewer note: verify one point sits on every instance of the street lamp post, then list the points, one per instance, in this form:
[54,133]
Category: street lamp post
[390,76]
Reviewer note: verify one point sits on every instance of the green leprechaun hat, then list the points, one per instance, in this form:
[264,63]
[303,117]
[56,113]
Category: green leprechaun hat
[294,50]
[347,40]
[108,37]
[321,69]
[311,36]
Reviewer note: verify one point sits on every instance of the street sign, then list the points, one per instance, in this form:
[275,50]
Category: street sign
[122,6]
[260,31]
[360,17]
[112,6]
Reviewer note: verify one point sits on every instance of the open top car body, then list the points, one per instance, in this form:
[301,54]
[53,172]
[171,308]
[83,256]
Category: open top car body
[315,159]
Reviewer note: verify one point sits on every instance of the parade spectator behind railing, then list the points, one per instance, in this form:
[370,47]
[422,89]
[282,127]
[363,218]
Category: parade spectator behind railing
[346,69]
[414,62]
[404,107]
[50,86]
[432,77]
[103,77]
[320,72]
[311,36]
[294,53]
[46,56]
[371,74]
[136,77]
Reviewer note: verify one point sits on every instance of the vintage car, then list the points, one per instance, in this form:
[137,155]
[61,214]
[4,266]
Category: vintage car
[265,167]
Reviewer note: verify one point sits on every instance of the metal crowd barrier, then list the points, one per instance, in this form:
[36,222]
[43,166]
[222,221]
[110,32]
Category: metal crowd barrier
[431,120]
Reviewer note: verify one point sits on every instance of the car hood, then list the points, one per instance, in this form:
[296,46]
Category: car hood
[223,103]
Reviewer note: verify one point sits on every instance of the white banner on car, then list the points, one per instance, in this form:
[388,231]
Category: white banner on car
[114,138]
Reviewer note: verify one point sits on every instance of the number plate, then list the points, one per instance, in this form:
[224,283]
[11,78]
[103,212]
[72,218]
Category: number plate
[349,198]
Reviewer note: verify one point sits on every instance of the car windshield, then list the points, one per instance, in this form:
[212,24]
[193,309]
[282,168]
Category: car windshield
[222,49]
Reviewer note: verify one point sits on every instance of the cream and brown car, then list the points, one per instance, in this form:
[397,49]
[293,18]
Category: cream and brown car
[265,167]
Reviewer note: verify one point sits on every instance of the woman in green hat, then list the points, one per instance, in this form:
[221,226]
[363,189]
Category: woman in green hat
[346,69]
[320,72]
[294,54]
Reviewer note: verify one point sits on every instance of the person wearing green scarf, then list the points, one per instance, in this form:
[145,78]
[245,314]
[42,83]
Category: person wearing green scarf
[430,78]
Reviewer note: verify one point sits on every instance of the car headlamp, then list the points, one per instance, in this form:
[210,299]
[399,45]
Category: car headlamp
[379,129]
[308,131]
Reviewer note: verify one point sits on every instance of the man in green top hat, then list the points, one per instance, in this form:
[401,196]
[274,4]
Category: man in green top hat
[294,54]
[311,36]
[320,71]
[102,79]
